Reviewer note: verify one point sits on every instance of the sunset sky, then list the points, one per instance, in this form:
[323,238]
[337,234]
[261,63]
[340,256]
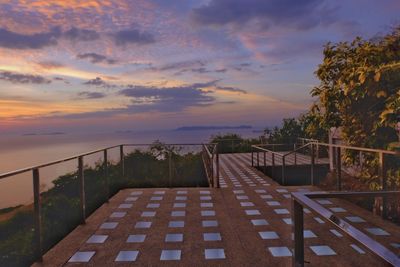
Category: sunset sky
[70,65]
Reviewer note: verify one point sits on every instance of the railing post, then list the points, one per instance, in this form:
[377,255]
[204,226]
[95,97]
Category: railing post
[339,168]
[312,163]
[298,238]
[252,158]
[232,145]
[106,178]
[82,198]
[217,165]
[258,159]
[382,175]
[122,159]
[273,165]
[265,162]
[283,170]
[169,167]
[38,241]
[295,154]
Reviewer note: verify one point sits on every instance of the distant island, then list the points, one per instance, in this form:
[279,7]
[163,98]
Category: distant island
[200,128]
[52,133]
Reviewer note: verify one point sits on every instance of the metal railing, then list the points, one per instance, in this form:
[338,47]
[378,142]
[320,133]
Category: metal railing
[210,161]
[313,149]
[302,200]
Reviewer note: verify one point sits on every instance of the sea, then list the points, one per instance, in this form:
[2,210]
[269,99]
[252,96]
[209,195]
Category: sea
[22,151]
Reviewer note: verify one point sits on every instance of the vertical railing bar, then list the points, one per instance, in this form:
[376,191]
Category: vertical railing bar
[106,178]
[312,164]
[382,175]
[122,160]
[217,165]
[38,238]
[170,168]
[82,198]
[339,168]
[283,170]
[273,165]
[258,159]
[265,162]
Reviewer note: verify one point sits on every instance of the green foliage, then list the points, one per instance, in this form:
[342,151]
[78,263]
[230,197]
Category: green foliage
[360,89]
[287,134]
[233,143]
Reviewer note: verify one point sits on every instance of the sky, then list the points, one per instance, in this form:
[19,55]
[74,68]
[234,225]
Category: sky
[95,65]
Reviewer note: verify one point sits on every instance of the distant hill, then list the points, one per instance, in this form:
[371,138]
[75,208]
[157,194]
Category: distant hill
[199,128]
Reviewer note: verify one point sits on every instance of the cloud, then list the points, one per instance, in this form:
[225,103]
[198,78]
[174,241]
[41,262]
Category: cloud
[179,65]
[133,36]
[96,58]
[13,40]
[168,99]
[231,89]
[99,83]
[14,77]
[91,95]
[76,34]
[50,64]
[299,14]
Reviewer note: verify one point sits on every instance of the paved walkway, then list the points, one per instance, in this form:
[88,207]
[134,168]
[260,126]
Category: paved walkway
[244,223]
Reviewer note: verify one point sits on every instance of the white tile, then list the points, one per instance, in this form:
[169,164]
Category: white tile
[357,248]
[170,255]
[287,221]
[209,223]
[281,211]
[127,255]
[179,205]
[268,235]
[109,225]
[377,231]
[259,222]
[212,237]
[336,233]
[176,224]
[82,256]
[136,238]
[252,212]
[309,234]
[280,251]
[148,214]
[207,213]
[174,238]
[179,213]
[355,219]
[323,250]
[214,253]
[97,239]
[125,206]
[118,214]
[153,205]
[143,225]
[338,209]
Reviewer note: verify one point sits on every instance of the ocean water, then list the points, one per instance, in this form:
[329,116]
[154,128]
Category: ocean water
[20,151]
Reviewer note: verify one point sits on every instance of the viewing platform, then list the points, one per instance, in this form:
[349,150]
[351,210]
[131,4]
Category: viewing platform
[248,221]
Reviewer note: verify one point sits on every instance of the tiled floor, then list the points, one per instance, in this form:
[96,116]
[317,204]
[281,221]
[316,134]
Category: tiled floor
[245,223]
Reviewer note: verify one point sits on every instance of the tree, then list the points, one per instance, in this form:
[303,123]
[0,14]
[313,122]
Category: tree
[360,89]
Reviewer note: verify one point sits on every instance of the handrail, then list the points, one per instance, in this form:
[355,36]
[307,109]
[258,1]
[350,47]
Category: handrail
[295,150]
[305,199]
[357,148]
[12,173]
[27,169]
[267,150]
